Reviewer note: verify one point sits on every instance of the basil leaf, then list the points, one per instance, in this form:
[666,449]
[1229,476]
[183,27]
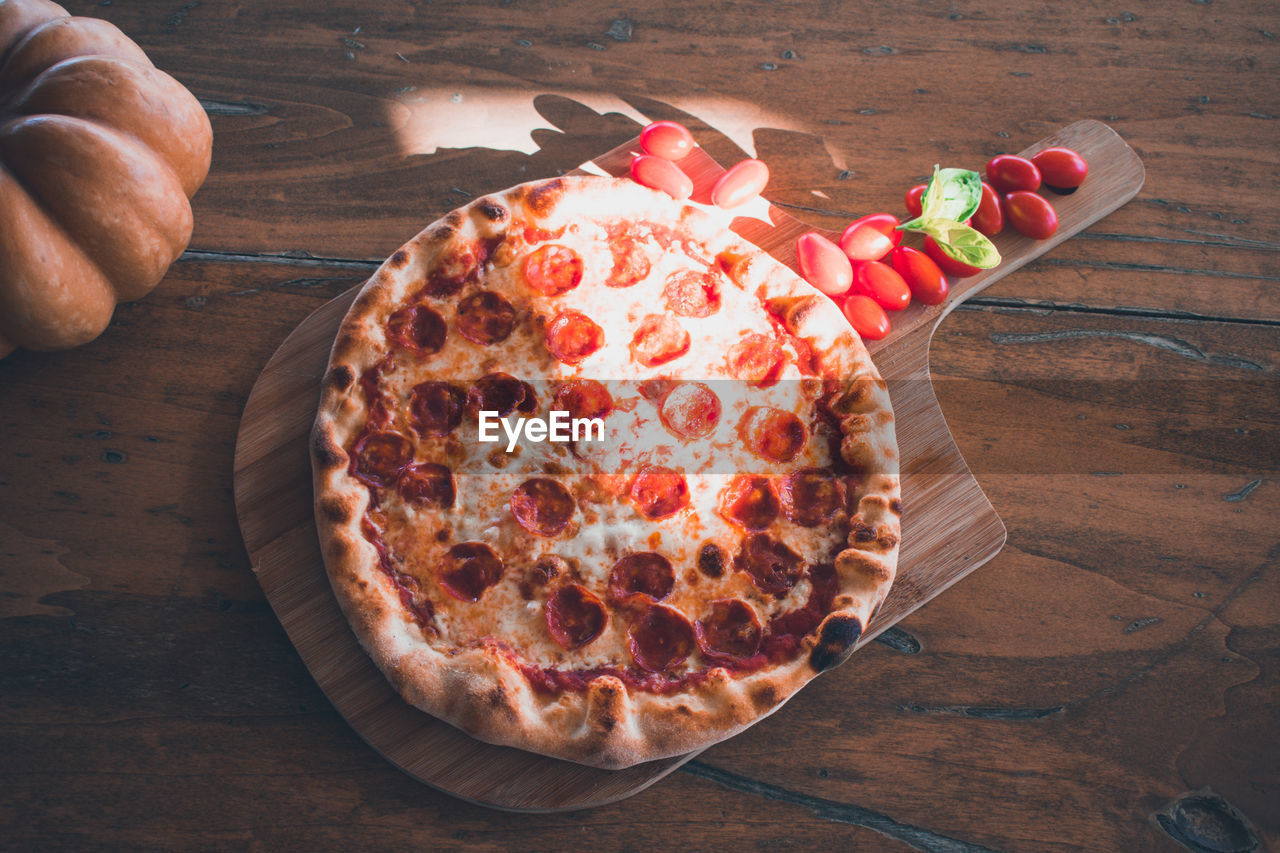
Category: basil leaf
[952,194]
[965,244]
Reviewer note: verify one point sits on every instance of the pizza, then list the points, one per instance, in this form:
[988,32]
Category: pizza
[598,479]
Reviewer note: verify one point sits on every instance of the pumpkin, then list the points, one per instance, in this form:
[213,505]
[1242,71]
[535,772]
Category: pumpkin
[100,153]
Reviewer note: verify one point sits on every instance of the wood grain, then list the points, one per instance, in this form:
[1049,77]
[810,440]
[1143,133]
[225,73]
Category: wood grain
[1117,398]
[950,532]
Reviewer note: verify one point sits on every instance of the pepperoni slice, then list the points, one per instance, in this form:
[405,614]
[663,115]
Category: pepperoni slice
[575,616]
[773,567]
[583,398]
[455,267]
[428,484]
[501,393]
[773,434]
[811,497]
[712,560]
[660,639]
[542,506]
[381,456]
[572,336]
[730,630]
[750,502]
[435,408]
[691,410]
[630,263]
[659,492]
[418,328]
[643,573]
[659,339]
[553,270]
[692,294]
[485,318]
[469,569]
[756,358]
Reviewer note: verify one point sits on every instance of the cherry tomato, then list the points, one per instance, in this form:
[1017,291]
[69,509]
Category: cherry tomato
[867,318]
[740,184]
[1031,215]
[988,218]
[1009,173]
[661,174]
[883,284]
[914,199]
[871,237]
[946,263]
[927,283]
[1062,168]
[666,139]
[823,264]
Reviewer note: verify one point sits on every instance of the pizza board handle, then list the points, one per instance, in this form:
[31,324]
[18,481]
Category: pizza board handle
[1115,176]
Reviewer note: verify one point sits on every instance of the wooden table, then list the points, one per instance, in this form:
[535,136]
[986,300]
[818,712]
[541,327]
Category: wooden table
[1109,682]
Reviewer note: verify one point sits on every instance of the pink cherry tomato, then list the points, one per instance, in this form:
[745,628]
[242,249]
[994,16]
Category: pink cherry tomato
[883,284]
[1009,173]
[871,237]
[867,318]
[1030,214]
[915,199]
[661,174]
[945,262]
[823,264]
[1061,168]
[988,218]
[740,184]
[927,283]
[666,139]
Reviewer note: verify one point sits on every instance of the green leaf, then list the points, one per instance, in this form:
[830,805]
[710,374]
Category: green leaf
[965,244]
[952,194]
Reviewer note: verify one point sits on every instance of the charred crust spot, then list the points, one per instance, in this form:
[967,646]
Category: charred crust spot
[764,696]
[608,720]
[327,453]
[896,506]
[441,232]
[864,532]
[453,220]
[342,377]
[543,198]
[334,509]
[492,211]
[837,638]
[398,259]
[495,697]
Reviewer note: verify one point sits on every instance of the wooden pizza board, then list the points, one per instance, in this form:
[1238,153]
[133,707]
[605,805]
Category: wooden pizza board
[948,529]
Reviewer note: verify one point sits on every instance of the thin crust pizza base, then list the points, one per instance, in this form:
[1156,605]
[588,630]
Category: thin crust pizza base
[481,688]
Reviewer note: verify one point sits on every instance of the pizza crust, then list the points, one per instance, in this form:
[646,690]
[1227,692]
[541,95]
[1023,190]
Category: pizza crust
[481,687]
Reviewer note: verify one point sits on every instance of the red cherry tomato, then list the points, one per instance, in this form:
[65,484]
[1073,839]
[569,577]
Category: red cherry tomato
[927,283]
[666,139]
[946,263]
[883,284]
[1061,168]
[1031,215]
[661,174]
[914,199]
[740,184]
[1009,173]
[867,318]
[871,237]
[823,264]
[988,218]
